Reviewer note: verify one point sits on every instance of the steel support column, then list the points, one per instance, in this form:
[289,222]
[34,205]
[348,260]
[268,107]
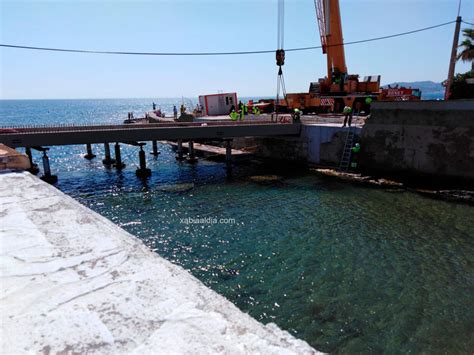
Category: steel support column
[191,153]
[47,169]
[180,155]
[107,159]
[155,151]
[89,155]
[118,158]
[33,166]
[143,171]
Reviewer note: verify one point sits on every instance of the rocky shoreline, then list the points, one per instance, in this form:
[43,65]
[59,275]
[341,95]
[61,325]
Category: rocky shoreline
[453,195]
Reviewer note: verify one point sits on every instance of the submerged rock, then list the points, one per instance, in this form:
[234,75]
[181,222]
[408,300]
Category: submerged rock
[359,178]
[465,196]
[265,178]
[176,187]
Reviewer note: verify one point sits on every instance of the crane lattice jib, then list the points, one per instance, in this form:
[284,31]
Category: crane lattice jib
[318,5]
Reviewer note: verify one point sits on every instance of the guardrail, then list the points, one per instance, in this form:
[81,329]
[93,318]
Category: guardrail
[92,134]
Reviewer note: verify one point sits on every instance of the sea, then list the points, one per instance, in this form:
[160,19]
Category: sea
[349,269]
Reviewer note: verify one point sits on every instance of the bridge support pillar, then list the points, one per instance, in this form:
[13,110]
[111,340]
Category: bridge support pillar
[155,151]
[228,153]
[118,158]
[89,154]
[191,153]
[33,167]
[107,159]
[179,155]
[143,171]
[51,179]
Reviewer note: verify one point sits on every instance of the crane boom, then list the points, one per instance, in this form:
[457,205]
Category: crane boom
[330,29]
[339,89]
[321,23]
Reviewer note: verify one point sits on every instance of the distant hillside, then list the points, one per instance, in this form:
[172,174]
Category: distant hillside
[429,89]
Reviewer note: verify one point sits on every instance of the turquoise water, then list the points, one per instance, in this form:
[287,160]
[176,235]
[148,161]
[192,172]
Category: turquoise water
[347,268]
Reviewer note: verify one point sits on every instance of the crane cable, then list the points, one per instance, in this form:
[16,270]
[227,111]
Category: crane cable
[280,56]
[297,49]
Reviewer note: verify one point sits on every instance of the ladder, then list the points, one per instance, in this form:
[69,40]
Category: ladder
[347,151]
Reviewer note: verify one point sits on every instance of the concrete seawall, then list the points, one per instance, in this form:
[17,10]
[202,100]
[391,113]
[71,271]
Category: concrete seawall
[317,144]
[325,142]
[73,282]
[429,137]
[407,139]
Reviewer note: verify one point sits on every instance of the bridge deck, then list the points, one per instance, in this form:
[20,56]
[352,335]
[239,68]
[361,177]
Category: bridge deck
[70,135]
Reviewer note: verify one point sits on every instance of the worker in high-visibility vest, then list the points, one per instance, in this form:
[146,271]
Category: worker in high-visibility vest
[347,111]
[234,115]
[242,110]
[355,155]
[296,115]
[256,111]
[368,101]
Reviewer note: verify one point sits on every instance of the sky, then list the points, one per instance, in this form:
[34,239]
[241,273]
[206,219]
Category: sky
[204,26]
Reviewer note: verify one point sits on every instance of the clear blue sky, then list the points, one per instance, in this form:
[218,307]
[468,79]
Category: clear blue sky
[209,25]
